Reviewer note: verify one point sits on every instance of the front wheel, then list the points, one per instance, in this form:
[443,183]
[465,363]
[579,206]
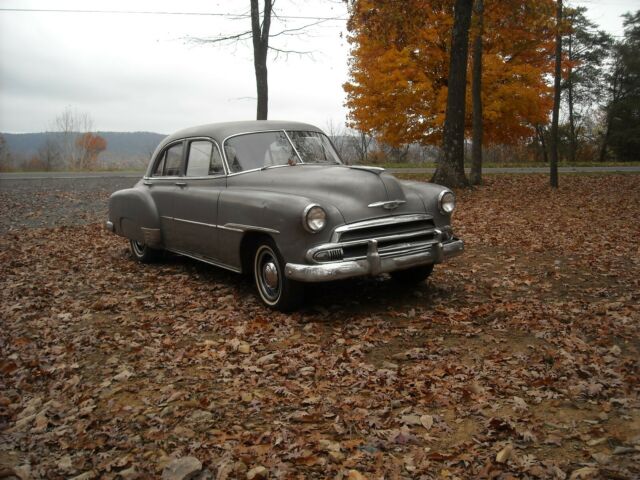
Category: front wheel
[412,276]
[275,290]
[143,253]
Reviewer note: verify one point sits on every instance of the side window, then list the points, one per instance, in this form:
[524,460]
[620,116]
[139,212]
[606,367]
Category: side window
[204,159]
[199,158]
[216,167]
[173,161]
[157,172]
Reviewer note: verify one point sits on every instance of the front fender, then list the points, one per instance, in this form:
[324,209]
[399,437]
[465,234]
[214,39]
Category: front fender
[247,210]
[429,193]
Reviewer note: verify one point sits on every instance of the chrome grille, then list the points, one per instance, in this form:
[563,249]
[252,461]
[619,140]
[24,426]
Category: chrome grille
[386,230]
[396,236]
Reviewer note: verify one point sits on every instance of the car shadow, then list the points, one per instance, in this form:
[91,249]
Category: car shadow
[365,295]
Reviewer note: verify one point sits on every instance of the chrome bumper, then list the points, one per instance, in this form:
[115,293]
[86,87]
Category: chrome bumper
[373,264]
[109,226]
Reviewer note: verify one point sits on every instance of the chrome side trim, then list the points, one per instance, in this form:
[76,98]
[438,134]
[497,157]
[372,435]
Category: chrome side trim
[238,227]
[388,205]
[207,260]
[183,220]
[174,177]
[378,222]
[232,227]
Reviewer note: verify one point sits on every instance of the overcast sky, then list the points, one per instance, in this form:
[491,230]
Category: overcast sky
[138,72]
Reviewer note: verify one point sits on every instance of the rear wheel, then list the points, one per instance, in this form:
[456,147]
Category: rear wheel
[275,290]
[143,253]
[414,275]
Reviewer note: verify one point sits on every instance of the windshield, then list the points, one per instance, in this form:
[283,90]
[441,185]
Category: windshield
[268,149]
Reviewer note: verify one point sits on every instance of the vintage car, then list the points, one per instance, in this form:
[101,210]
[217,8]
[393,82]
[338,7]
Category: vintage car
[273,199]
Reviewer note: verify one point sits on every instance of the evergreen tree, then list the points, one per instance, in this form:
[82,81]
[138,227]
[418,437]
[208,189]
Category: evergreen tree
[623,112]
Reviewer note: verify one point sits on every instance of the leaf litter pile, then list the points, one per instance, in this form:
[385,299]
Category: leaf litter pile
[519,359]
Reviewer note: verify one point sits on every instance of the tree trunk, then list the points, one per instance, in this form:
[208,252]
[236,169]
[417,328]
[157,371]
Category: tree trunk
[573,141]
[609,114]
[540,133]
[556,100]
[605,141]
[476,92]
[450,170]
[260,35]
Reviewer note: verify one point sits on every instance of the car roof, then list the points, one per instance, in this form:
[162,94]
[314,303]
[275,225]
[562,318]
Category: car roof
[220,131]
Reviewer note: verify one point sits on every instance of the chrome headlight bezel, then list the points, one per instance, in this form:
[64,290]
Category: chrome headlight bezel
[314,218]
[447,202]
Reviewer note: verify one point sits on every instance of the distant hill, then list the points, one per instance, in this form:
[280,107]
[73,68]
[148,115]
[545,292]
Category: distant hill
[121,146]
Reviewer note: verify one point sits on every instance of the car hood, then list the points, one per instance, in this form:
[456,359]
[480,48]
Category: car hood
[350,190]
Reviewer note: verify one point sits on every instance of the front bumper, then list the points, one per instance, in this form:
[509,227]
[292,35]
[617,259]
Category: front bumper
[373,264]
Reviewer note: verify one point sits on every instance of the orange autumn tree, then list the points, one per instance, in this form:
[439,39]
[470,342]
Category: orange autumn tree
[399,68]
[89,146]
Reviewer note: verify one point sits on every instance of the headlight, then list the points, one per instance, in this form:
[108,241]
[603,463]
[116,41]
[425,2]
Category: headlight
[447,202]
[314,218]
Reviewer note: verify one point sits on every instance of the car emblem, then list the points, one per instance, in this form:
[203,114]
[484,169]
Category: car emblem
[388,205]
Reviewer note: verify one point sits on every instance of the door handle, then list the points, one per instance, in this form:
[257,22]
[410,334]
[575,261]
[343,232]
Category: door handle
[181,184]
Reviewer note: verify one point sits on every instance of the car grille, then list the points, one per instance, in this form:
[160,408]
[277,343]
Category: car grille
[396,236]
[386,230]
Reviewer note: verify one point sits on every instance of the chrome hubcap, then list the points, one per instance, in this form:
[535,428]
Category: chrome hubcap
[270,274]
[267,275]
[138,247]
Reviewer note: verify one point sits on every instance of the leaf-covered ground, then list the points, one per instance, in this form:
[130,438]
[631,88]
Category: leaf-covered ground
[518,359]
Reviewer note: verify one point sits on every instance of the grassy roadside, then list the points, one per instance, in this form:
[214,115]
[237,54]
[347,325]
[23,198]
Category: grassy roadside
[514,164]
[426,177]
[384,165]
[101,170]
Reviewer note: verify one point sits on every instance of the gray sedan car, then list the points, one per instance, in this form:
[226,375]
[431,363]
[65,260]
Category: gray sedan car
[273,199]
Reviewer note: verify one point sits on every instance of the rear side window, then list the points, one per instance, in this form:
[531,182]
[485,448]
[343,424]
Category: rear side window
[173,161]
[204,159]
[157,172]
[199,158]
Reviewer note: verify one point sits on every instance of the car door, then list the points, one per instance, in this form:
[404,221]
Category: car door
[196,203]
[164,187]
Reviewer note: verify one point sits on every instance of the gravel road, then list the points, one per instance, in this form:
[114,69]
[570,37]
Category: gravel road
[52,202]
[51,199]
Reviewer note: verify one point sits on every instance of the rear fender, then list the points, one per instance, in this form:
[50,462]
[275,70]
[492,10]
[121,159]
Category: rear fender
[134,215]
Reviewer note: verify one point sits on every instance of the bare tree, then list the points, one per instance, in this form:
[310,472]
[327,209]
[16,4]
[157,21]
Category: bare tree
[5,156]
[362,146]
[260,35]
[49,154]
[71,123]
[337,133]
[450,170]
[553,164]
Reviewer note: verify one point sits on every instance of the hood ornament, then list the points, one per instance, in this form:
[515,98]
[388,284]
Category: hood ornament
[388,205]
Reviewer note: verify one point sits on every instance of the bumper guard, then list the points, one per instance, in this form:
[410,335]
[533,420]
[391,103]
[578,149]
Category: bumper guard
[373,264]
